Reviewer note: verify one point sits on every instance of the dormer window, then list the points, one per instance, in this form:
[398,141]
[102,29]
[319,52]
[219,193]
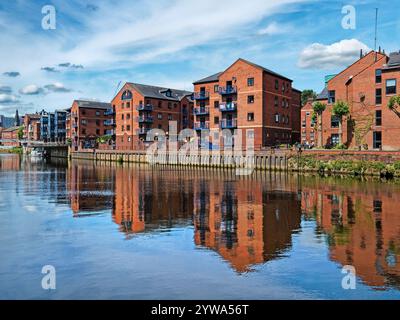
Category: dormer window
[168,93]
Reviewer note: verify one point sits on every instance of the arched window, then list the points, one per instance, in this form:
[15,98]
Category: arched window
[126,95]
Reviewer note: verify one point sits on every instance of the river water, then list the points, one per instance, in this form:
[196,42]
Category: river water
[138,232]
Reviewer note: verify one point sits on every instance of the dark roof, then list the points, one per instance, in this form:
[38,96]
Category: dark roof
[159,92]
[323,95]
[394,60]
[93,104]
[215,77]
[266,70]
[212,78]
[297,90]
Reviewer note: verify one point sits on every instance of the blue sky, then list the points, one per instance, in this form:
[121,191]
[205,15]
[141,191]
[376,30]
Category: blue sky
[174,42]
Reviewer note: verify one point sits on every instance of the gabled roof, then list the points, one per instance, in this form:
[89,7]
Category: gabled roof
[264,69]
[155,92]
[323,95]
[93,104]
[215,77]
[212,78]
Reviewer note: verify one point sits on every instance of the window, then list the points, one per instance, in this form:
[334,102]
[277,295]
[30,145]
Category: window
[276,118]
[84,122]
[159,104]
[126,95]
[334,139]
[159,126]
[129,139]
[97,113]
[98,132]
[216,104]
[250,82]
[276,84]
[122,105]
[377,206]
[128,128]
[169,105]
[378,96]
[128,105]
[283,87]
[216,88]
[122,128]
[283,103]
[97,122]
[331,96]
[250,99]
[391,86]
[287,119]
[276,102]
[378,117]
[105,132]
[216,120]
[169,116]
[128,116]
[377,137]
[83,131]
[122,116]
[250,116]
[159,116]
[175,105]
[378,76]
[334,122]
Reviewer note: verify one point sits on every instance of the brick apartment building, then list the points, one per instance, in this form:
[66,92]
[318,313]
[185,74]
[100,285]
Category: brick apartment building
[88,120]
[9,137]
[31,124]
[139,108]
[248,96]
[367,86]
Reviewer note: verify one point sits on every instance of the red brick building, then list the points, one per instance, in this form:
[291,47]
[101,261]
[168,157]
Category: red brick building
[367,86]
[248,96]
[140,108]
[87,121]
[32,126]
[9,137]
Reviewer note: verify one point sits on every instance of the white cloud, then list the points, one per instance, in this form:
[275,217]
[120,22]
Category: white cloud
[31,89]
[7,98]
[57,87]
[273,29]
[338,54]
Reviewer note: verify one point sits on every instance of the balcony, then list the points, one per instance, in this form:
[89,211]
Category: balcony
[227,90]
[144,107]
[109,122]
[202,95]
[145,119]
[142,131]
[75,125]
[201,125]
[228,107]
[109,112]
[228,124]
[201,111]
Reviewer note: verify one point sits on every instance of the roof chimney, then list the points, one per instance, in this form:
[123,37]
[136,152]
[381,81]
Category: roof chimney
[361,53]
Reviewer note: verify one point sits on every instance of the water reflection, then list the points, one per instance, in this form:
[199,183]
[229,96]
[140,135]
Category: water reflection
[246,221]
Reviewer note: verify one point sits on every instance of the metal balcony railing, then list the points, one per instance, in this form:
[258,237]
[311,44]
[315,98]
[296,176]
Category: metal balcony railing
[201,111]
[144,107]
[227,107]
[145,119]
[228,124]
[202,95]
[109,122]
[109,112]
[201,125]
[227,90]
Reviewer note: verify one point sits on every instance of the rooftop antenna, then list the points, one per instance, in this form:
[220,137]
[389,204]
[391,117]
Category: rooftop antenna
[376,31]
[116,89]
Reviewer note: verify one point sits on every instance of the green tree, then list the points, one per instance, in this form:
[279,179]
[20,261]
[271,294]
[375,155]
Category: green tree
[307,94]
[319,108]
[394,102]
[20,133]
[340,109]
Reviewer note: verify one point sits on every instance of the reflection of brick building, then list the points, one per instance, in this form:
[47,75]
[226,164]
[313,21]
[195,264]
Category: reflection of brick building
[141,203]
[237,225]
[363,228]
[90,188]
[248,96]
[87,121]
[139,108]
